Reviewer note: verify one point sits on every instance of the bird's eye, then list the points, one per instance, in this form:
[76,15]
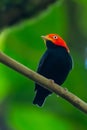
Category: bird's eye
[55,37]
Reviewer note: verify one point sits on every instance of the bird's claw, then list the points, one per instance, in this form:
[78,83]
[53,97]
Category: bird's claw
[51,81]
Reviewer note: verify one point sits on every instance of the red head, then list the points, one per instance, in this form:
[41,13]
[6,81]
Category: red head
[56,39]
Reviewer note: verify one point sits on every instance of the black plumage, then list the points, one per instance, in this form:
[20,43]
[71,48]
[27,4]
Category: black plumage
[55,64]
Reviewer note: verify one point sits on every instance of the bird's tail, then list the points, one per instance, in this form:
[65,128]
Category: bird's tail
[39,98]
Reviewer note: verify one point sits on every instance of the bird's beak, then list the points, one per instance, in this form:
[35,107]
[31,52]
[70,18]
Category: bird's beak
[44,37]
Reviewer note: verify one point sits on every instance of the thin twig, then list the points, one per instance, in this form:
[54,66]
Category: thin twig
[44,82]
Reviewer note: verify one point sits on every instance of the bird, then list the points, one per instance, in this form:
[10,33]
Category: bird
[55,64]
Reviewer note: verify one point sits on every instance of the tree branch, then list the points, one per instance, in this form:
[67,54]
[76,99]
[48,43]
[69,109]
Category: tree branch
[44,82]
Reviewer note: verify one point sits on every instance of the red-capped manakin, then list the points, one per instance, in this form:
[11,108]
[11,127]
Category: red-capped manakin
[55,64]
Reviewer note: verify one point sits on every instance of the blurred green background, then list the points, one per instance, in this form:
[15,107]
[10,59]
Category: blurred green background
[23,43]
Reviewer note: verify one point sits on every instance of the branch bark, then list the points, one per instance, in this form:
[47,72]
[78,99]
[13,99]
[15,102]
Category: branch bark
[44,82]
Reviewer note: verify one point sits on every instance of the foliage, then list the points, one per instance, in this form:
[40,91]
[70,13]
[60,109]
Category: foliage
[23,43]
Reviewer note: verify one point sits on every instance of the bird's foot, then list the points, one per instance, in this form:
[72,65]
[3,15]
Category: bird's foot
[51,81]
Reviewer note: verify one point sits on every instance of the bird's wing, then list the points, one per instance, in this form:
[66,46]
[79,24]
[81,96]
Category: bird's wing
[42,62]
[40,68]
